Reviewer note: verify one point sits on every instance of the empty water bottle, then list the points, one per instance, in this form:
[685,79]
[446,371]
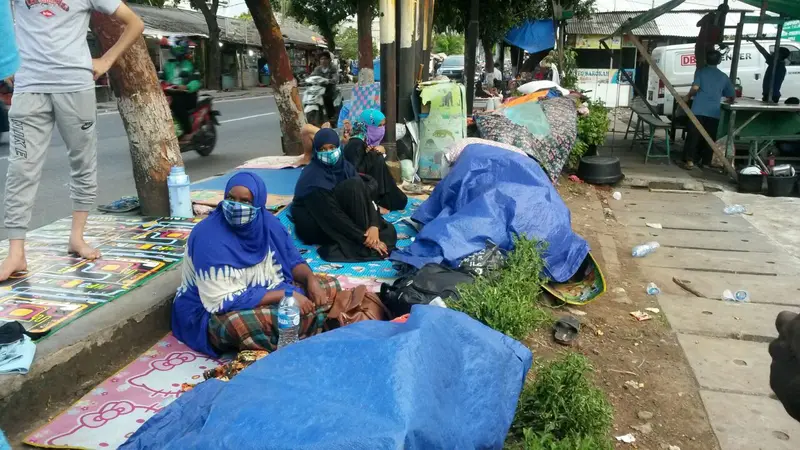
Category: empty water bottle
[740,296]
[734,209]
[645,249]
[652,289]
[288,320]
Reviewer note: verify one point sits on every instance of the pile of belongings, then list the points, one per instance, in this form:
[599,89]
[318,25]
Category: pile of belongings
[16,348]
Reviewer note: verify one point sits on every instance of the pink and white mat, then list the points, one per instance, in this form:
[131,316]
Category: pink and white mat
[108,415]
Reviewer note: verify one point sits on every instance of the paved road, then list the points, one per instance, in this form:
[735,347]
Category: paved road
[249,129]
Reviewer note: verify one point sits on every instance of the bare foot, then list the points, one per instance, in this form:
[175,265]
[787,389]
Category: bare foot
[383,210]
[84,250]
[14,262]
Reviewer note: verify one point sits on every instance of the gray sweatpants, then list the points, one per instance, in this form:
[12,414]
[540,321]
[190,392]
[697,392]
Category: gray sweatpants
[31,118]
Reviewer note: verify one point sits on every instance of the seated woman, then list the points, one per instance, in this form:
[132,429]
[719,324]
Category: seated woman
[237,265]
[363,151]
[333,207]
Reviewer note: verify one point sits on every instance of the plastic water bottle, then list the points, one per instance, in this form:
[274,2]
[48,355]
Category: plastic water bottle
[288,320]
[645,249]
[652,289]
[180,196]
[740,296]
[734,209]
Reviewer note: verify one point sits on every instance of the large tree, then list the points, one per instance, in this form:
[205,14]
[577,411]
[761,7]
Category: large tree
[145,115]
[325,15]
[214,62]
[285,87]
[348,43]
[366,10]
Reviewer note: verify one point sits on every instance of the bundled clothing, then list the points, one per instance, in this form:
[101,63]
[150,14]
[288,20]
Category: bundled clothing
[233,258]
[367,134]
[16,349]
[333,206]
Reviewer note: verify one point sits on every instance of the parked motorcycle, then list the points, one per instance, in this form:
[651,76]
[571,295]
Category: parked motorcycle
[204,122]
[314,102]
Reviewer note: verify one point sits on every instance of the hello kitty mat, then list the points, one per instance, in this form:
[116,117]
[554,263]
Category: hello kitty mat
[109,414]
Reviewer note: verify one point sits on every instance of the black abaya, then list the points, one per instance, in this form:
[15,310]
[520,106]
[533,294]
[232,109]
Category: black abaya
[372,163]
[337,220]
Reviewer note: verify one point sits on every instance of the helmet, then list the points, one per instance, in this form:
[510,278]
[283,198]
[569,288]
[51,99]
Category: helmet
[179,48]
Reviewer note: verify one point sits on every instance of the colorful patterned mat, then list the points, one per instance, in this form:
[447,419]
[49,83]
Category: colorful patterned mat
[59,288]
[374,271]
[108,415]
[278,181]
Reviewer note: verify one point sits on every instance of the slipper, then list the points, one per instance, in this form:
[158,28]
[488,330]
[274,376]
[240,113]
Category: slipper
[123,205]
[565,330]
[686,165]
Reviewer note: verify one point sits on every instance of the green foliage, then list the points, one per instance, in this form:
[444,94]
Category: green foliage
[563,402]
[347,40]
[448,43]
[537,441]
[592,130]
[322,14]
[507,301]
[245,16]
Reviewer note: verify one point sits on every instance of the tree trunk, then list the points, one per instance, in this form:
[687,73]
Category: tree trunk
[366,73]
[214,62]
[145,115]
[489,57]
[286,94]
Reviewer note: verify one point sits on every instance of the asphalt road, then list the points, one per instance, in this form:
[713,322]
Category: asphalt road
[249,129]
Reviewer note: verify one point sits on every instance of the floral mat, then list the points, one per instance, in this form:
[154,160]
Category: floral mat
[110,413]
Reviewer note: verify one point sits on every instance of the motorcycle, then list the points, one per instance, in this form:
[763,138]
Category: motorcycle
[314,102]
[204,122]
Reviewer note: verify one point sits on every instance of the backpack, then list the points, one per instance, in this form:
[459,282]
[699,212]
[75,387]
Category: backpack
[429,282]
[355,305]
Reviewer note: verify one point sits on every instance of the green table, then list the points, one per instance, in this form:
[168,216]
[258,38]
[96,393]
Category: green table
[757,123]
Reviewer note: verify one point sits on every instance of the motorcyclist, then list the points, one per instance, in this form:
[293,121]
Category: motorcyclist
[331,72]
[185,81]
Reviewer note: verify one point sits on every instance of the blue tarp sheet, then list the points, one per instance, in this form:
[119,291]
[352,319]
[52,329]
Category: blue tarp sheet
[440,380]
[533,36]
[492,193]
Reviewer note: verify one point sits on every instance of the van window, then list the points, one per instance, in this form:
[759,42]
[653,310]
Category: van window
[794,56]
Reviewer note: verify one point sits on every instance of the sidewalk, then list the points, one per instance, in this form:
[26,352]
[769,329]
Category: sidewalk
[725,343]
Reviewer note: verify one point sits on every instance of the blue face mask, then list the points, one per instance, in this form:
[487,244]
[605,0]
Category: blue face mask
[238,214]
[330,157]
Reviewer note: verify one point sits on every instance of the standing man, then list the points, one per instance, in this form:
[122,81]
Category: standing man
[54,86]
[779,69]
[709,86]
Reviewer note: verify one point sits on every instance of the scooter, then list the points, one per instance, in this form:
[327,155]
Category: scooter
[314,102]
[204,122]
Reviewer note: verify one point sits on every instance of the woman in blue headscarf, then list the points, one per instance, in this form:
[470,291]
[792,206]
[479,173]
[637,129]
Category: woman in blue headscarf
[333,207]
[365,153]
[237,265]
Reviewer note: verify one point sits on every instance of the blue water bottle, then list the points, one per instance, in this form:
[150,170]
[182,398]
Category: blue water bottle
[180,195]
[9,56]
[288,320]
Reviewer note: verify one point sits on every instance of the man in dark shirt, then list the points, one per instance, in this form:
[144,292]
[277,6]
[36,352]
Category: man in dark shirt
[779,69]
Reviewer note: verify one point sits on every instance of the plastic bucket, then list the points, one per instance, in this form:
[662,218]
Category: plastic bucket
[750,184]
[780,186]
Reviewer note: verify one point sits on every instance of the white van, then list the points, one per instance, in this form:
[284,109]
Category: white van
[678,64]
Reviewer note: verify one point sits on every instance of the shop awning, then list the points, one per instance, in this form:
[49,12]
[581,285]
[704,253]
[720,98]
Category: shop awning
[790,8]
[533,36]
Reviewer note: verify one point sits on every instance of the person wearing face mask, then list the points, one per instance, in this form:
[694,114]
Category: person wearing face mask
[365,153]
[333,207]
[238,262]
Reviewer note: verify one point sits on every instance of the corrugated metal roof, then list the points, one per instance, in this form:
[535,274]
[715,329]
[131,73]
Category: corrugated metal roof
[173,21]
[671,24]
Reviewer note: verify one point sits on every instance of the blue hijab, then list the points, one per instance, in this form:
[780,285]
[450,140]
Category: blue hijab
[317,175]
[217,247]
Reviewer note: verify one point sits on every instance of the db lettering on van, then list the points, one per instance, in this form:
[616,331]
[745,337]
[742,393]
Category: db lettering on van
[688,60]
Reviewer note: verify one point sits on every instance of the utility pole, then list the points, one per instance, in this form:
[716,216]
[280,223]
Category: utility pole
[389,67]
[471,50]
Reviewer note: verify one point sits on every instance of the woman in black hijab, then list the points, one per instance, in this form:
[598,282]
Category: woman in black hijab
[333,207]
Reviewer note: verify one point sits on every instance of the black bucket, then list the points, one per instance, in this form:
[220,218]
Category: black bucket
[780,186]
[750,184]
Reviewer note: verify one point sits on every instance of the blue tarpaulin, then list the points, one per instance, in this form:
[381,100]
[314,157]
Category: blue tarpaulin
[494,194]
[533,36]
[440,380]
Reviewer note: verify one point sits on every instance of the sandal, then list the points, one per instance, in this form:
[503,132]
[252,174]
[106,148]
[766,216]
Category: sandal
[686,165]
[565,330]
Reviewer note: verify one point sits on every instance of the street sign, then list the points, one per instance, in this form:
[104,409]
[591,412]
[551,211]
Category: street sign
[791,30]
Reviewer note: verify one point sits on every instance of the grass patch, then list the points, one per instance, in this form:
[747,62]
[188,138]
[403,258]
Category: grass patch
[507,300]
[562,408]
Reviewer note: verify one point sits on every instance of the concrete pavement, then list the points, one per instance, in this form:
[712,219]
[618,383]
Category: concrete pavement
[725,343]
